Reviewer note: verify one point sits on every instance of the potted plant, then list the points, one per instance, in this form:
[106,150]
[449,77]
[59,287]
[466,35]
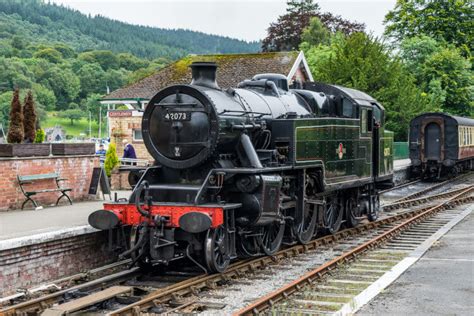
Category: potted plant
[22,132]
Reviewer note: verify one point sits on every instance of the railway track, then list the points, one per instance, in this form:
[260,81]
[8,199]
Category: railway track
[403,185]
[132,298]
[326,289]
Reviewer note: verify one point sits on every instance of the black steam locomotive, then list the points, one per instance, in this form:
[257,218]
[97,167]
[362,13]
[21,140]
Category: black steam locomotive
[241,171]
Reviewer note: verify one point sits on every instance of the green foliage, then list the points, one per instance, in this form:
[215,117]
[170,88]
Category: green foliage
[453,72]
[63,82]
[316,33]
[50,54]
[33,21]
[441,71]
[106,59]
[449,20]
[111,159]
[29,113]
[44,97]
[72,114]
[359,61]
[40,136]
[15,129]
[5,105]
[286,33]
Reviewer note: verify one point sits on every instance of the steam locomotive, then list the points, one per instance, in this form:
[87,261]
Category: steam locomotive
[239,172]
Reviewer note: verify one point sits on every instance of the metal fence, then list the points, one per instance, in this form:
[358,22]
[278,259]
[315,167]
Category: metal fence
[400,150]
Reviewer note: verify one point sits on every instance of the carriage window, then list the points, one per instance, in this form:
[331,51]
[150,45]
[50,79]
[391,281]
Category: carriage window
[363,121]
[347,108]
[465,136]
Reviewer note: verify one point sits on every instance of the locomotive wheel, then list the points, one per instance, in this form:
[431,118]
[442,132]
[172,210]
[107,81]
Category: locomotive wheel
[333,216]
[272,237]
[248,245]
[352,212]
[143,261]
[305,230]
[215,250]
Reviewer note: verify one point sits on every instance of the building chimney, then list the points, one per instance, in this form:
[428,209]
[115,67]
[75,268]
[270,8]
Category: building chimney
[204,74]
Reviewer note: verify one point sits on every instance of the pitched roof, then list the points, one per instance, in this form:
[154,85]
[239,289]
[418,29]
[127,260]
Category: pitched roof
[232,69]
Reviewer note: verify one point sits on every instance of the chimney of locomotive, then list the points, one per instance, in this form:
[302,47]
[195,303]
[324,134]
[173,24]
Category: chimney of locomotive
[204,74]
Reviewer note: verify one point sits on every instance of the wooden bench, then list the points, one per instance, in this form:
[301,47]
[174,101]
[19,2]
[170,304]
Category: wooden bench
[28,179]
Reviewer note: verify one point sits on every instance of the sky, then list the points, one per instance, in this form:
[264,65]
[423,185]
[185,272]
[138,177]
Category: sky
[242,19]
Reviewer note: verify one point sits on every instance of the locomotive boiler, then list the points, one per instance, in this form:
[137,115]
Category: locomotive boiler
[239,172]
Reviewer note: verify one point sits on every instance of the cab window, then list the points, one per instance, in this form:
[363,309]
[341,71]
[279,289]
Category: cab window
[347,108]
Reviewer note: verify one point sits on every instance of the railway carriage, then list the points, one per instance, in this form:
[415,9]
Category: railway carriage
[239,172]
[441,145]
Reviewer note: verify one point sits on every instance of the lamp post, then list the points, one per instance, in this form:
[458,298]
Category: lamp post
[90,124]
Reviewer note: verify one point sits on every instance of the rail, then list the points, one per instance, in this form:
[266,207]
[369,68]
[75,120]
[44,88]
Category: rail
[293,287]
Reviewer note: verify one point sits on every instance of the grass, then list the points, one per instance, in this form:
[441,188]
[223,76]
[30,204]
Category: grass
[79,126]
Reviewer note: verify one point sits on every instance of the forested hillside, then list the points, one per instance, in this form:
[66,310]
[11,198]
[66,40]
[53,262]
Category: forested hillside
[40,22]
[70,60]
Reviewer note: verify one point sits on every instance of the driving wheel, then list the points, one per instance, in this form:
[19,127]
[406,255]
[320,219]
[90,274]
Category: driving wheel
[333,216]
[216,252]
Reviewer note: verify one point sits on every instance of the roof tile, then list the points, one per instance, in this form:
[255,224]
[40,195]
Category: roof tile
[232,69]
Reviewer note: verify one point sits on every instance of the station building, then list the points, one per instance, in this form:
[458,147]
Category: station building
[125,106]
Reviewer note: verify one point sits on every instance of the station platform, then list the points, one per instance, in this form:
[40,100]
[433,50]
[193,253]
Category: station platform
[440,283]
[23,227]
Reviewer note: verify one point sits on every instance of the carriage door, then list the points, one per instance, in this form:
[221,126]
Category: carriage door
[433,142]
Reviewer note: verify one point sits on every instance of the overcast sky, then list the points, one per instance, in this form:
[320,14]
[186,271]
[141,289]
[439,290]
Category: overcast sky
[243,19]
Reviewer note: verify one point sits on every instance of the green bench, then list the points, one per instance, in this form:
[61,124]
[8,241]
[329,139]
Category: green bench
[28,179]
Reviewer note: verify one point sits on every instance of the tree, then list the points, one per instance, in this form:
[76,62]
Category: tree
[111,159]
[72,114]
[50,54]
[361,62]
[131,62]
[29,124]
[440,71]
[454,74]
[15,130]
[44,97]
[449,20]
[92,79]
[316,33]
[106,59]
[64,83]
[92,104]
[285,34]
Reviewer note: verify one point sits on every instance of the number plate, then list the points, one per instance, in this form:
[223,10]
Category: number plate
[177,116]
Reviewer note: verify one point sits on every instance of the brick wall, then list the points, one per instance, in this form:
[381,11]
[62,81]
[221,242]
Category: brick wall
[32,265]
[119,180]
[122,128]
[77,169]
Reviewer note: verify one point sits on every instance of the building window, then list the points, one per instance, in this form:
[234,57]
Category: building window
[137,134]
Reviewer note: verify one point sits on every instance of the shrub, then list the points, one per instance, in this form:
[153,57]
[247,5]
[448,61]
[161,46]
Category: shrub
[111,159]
[15,131]
[40,136]
[29,113]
